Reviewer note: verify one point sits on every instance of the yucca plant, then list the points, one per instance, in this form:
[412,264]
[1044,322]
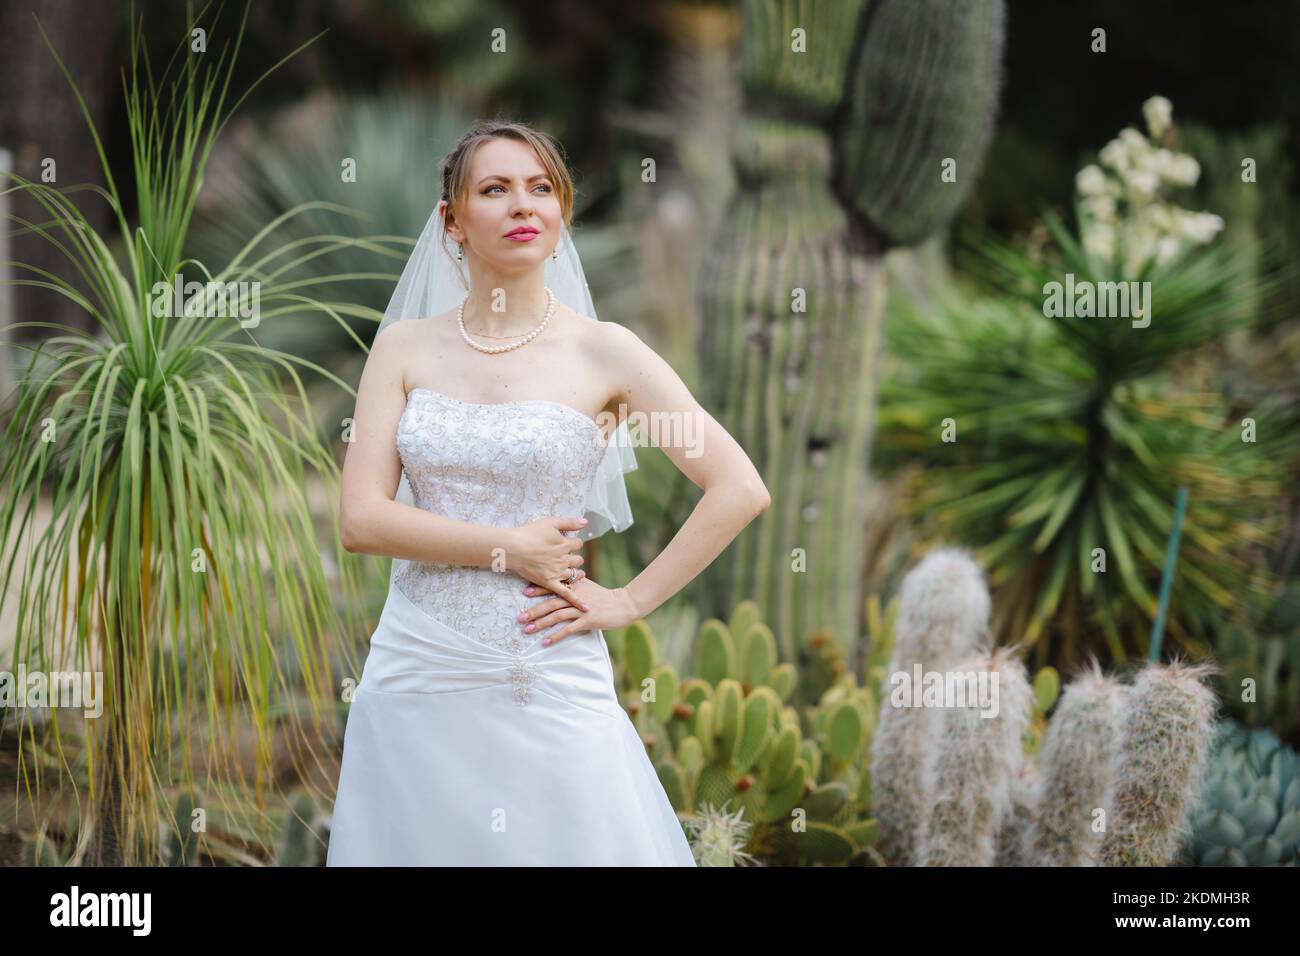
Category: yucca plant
[180,556]
[1044,437]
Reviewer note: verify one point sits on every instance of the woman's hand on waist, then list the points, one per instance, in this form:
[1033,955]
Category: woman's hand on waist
[597,608]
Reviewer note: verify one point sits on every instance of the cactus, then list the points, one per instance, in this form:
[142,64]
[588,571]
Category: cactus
[728,741]
[182,843]
[1076,759]
[972,759]
[1021,790]
[1166,727]
[1026,798]
[717,838]
[943,612]
[794,292]
[40,850]
[1249,814]
[301,841]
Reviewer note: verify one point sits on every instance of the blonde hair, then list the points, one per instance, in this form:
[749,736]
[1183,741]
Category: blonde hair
[455,166]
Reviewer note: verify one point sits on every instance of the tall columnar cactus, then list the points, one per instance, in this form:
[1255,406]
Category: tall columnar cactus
[1076,763]
[898,97]
[972,760]
[1167,726]
[943,612]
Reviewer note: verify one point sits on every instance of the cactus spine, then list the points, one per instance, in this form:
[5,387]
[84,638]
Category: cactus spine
[972,760]
[1167,725]
[943,612]
[1076,759]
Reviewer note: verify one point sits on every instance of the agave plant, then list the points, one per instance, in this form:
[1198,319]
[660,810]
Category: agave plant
[179,558]
[1056,443]
[1249,813]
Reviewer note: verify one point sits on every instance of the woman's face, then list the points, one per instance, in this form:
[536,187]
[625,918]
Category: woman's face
[508,190]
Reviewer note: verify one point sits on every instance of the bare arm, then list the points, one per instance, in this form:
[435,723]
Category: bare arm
[372,522]
[671,418]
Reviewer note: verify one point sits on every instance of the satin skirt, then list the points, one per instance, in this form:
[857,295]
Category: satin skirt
[459,754]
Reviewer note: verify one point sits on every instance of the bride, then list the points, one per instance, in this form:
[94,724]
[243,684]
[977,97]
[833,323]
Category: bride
[486,728]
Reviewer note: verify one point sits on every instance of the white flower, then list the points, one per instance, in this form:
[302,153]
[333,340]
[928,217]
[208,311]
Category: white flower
[1142,183]
[1159,216]
[1183,170]
[1167,248]
[1115,155]
[1100,207]
[1090,181]
[1140,243]
[1199,227]
[1134,141]
[1158,112]
[1099,239]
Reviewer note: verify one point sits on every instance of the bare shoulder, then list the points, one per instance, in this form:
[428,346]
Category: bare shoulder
[612,344]
[390,348]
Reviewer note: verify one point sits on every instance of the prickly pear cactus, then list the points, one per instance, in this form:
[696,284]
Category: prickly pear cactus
[729,743]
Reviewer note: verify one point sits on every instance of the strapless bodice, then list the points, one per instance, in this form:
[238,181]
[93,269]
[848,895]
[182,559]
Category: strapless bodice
[500,464]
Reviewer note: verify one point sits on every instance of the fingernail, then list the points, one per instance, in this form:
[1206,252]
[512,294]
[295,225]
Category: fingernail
[546,643]
[523,615]
[586,608]
[530,627]
[584,521]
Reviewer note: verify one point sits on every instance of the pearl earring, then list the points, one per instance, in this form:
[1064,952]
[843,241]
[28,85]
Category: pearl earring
[460,252]
[555,254]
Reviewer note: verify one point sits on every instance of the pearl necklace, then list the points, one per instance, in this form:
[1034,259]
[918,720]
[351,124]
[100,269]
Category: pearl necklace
[550,311]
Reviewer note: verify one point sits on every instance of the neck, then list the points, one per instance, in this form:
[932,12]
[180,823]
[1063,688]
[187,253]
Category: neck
[505,306]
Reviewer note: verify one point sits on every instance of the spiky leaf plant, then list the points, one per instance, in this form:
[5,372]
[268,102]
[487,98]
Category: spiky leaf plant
[155,523]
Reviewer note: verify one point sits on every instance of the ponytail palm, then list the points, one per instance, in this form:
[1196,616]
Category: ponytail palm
[180,557]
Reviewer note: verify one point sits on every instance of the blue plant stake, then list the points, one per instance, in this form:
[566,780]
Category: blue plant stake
[1167,579]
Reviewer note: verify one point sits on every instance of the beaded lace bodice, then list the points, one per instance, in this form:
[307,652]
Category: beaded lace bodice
[501,464]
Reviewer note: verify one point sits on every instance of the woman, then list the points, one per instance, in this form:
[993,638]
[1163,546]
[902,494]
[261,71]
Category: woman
[486,728]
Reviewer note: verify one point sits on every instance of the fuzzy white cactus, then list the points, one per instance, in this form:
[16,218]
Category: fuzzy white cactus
[1166,727]
[1026,797]
[943,613]
[1076,761]
[972,761]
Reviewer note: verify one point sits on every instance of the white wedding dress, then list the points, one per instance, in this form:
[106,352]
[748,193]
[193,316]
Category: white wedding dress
[467,741]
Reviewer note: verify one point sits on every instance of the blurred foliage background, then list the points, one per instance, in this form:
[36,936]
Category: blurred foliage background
[392,84]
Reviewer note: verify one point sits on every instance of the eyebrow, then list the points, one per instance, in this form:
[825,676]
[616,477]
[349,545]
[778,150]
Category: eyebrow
[507,178]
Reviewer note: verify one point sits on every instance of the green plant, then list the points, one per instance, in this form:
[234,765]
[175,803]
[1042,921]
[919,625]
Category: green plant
[1165,727]
[733,739]
[180,556]
[942,613]
[843,154]
[973,761]
[1075,758]
[1060,456]
[983,791]
[1249,812]
[1260,657]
